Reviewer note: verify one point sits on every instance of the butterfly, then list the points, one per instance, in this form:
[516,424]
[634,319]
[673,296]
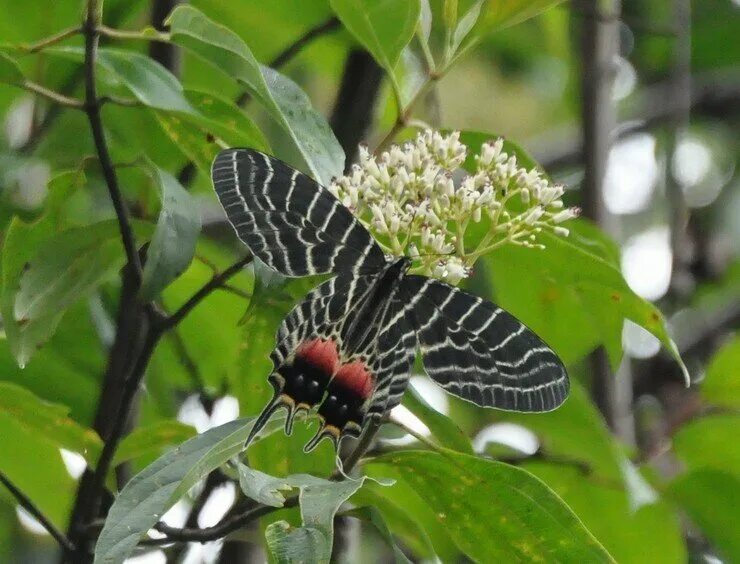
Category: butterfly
[347,350]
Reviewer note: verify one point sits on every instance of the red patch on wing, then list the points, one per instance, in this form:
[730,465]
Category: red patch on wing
[320,353]
[355,377]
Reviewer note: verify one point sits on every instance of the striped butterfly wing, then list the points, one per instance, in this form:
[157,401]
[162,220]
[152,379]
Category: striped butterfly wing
[289,221]
[479,352]
[312,369]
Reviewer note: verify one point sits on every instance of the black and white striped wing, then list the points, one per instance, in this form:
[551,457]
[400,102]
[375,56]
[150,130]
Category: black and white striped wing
[479,352]
[289,221]
[397,351]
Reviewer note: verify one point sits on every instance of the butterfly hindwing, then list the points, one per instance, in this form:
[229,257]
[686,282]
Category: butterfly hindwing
[479,352]
[288,220]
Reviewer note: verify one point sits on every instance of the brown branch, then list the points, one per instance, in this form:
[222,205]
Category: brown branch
[220,530]
[92,106]
[356,101]
[213,284]
[599,44]
[25,502]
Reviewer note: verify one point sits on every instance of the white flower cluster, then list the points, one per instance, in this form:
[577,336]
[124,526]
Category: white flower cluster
[417,201]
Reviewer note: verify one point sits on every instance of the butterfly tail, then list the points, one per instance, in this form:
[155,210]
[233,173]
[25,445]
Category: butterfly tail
[264,417]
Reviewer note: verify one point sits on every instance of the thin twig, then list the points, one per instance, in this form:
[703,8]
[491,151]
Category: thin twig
[146,35]
[26,503]
[92,106]
[221,529]
[51,40]
[119,101]
[56,97]
[404,114]
[419,437]
[213,284]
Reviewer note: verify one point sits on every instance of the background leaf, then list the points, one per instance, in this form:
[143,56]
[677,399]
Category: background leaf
[711,498]
[721,385]
[383,27]
[490,510]
[48,421]
[175,236]
[284,100]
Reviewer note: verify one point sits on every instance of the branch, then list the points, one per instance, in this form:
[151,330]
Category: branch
[56,97]
[221,529]
[355,105]
[26,503]
[51,40]
[92,106]
[213,284]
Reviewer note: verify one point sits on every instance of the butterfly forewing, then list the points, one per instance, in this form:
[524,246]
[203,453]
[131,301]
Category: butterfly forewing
[289,221]
[481,353]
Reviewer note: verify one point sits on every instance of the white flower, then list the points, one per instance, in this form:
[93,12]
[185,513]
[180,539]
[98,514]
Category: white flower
[416,202]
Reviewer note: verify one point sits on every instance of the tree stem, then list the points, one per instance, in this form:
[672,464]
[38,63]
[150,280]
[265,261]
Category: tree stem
[25,502]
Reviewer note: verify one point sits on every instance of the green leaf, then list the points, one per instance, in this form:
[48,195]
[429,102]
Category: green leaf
[383,27]
[222,121]
[204,348]
[373,516]
[499,14]
[583,466]
[710,442]
[606,510]
[155,489]
[22,242]
[48,421]
[409,517]
[711,498]
[66,268]
[567,277]
[35,466]
[444,429]
[10,72]
[152,439]
[262,487]
[495,512]
[288,105]
[151,83]
[721,385]
[173,245]
[319,500]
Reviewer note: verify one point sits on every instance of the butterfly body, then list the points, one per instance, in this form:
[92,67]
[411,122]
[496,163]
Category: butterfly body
[347,350]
